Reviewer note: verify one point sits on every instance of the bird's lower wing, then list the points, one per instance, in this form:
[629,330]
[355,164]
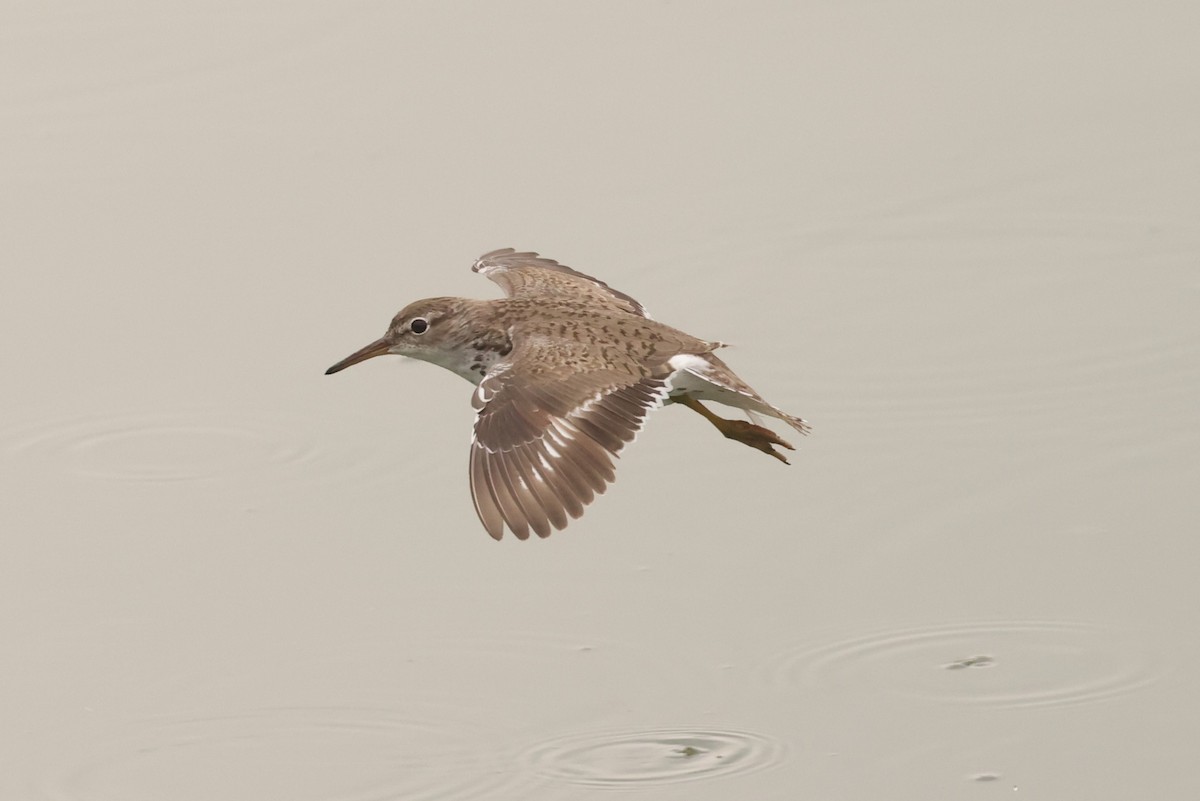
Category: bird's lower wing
[544,445]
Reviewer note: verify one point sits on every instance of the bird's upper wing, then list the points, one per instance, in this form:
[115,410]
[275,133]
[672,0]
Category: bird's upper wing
[545,437]
[528,275]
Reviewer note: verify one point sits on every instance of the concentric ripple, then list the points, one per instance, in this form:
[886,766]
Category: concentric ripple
[179,446]
[334,754]
[651,757]
[1000,664]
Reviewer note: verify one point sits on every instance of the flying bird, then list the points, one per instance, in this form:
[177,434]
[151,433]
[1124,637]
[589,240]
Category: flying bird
[566,368]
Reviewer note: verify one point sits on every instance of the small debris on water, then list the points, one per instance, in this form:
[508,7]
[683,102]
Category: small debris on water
[970,662]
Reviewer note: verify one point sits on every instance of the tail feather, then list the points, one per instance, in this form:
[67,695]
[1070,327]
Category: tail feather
[706,377]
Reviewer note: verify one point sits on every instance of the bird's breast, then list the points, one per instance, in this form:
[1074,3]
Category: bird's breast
[472,362]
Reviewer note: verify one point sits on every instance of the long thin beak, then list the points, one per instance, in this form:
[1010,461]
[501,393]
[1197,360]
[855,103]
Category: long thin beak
[376,348]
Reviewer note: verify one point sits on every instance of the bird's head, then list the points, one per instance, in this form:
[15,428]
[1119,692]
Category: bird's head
[434,330]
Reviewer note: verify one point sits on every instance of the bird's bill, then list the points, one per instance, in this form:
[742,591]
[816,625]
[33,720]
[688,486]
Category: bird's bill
[376,348]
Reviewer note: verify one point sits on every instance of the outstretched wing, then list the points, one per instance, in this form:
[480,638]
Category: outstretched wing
[528,275]
[545,440]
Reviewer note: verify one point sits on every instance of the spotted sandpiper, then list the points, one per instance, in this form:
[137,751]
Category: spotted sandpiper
[566,370]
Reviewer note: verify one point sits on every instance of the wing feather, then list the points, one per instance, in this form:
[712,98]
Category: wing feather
[484,497]
[523,275]
[536,464]
[554,510]
[502,491]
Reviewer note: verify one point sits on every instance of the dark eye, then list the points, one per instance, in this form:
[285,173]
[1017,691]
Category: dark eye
[419,325]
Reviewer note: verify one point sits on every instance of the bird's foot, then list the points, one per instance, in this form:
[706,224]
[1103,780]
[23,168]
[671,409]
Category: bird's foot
[757,437]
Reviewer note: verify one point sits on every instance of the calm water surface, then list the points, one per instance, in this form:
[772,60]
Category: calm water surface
[962,242]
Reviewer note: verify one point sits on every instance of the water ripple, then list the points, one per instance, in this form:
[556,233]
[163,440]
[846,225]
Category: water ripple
[632,758]
[1101,381]
[330,753]
[999,664]
[160,447]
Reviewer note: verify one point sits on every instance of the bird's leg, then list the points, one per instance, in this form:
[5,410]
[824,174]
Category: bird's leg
[747,433]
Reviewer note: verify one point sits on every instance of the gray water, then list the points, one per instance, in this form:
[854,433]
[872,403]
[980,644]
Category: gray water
[961,240]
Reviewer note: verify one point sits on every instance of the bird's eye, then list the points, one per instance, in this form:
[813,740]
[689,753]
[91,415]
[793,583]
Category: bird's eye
[419,325]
